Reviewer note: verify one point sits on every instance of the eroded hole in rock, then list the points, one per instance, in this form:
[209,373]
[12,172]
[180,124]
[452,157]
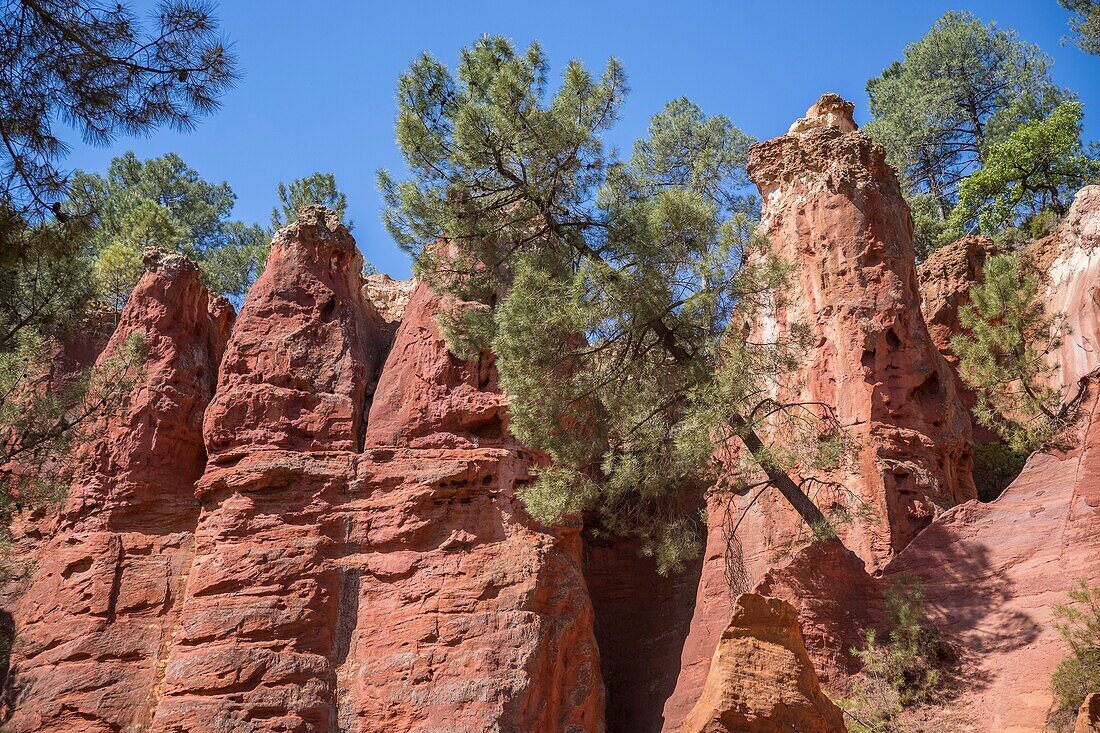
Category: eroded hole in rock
[868,359]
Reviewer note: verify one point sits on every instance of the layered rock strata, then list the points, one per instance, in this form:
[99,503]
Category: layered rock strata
[834,211]
[96,622]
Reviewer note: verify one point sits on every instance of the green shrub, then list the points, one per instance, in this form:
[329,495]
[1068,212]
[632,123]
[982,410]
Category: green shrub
[904,671]
[1079,674]
[995,466]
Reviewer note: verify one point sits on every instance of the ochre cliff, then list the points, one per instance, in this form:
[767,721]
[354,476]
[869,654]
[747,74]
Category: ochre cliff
[309,520]
[97,617]
[992,574]
[761,679]
[833,210]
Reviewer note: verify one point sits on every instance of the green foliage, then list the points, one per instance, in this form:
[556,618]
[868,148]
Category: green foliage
[603,286]
[94,66]
[996,464]
[1003,347]
[963,87]
[319,188]
[162,202]
[931,230]
[1035,169]
[1079,625]
[905,671]
[1085,23]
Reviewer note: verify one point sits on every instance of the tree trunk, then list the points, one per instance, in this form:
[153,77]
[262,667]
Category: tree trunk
[791,491]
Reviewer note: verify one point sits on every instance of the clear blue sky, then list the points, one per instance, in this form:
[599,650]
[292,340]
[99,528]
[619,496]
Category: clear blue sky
[317,92]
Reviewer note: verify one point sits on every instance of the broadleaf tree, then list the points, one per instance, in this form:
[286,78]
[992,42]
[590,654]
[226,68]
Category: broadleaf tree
[604,287]
[1037,168]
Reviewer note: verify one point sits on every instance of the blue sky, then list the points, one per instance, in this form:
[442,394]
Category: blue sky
[317,92]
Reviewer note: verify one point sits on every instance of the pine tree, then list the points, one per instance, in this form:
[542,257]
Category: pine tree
[319,188]
[1003,349]
[163,202]
[96,68]
[605,288]
[1085,23]
[958,90]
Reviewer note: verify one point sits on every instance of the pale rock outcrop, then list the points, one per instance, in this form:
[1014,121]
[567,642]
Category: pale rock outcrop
[95,623]
[761,679]
[1070,257]
[388,296]
[1088,717]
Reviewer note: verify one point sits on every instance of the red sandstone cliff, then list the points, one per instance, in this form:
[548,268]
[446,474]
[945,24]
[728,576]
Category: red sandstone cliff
[353,555]
[834,210]
[993,572]
[95,622]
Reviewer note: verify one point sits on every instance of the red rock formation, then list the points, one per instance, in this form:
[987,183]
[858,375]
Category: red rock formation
[95,623]
[945,281]
[761,680]
[993,572]
[837,601]
[833,208]
[398,589]
[304,351]
[258,637]
[471,616]
[428,397]
[1088,717]
[1071,259]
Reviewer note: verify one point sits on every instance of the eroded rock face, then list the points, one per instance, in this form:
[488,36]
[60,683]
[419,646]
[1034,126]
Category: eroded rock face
[1088,717]
[945,281]
[837,602]
[834,210]
[428,397]
[400,588]
[470,616]
[1071,258]
[95,623]
[303,352]
[992,574]
[761,679]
